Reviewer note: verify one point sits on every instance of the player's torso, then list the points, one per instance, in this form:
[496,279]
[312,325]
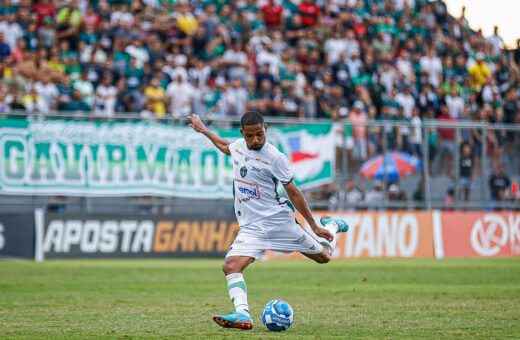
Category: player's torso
[254,184]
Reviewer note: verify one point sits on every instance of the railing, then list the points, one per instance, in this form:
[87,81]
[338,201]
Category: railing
[492,150]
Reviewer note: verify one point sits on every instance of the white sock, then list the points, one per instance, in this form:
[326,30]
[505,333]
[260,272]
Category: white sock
[238,292]
[333,228]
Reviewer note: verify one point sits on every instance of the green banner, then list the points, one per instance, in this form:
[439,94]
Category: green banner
[59,157]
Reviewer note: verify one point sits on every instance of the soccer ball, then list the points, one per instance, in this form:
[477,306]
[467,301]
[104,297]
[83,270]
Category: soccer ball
[277,315]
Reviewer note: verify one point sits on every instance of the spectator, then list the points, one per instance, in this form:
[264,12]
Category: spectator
[156,96]
[376,196]
[5,50]
[455,104]
[75,104]
[465,171]
[447,139]
[48,90]
[105,97]
[395,194]
[236,98]
[85,89]
[499,183]
[406,101]
[310,13]
[11,30]
[479,72]
[35,103]
[418,194]
[180,94]
[431,67]
[358,119]
[449,200]
[272,13]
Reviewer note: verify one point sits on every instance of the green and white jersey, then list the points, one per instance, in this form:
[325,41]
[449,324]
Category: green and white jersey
[256,175]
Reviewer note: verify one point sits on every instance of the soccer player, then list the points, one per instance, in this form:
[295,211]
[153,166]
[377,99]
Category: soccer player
[265,218]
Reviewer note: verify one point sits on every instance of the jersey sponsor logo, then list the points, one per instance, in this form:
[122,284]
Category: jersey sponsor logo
[235,162]
[261,161]
[250,190]
[243,171]
[255,169]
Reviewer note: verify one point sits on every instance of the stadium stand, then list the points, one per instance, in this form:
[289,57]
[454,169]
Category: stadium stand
[343,60]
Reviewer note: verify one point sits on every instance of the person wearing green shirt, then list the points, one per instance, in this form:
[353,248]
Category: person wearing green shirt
[75,104]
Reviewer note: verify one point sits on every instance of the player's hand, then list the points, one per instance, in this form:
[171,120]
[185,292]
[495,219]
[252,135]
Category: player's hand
[324,233]
[196,124]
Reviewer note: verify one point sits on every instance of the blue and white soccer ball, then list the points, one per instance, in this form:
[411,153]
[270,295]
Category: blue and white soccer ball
[277,315]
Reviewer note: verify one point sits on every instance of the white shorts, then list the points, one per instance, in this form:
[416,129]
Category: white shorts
[279,232]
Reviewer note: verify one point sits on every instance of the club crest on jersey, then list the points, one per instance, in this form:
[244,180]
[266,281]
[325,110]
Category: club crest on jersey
[243,171]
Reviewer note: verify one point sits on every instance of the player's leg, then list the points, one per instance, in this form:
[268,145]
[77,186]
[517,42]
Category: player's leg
[237,290]
[248,246]
[334,226]
[323,257]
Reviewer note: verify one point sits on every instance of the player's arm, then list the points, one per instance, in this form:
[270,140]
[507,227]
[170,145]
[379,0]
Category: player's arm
[197,125]
[297,198]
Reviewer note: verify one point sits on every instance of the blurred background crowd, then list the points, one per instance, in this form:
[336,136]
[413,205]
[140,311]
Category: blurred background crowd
[344,60]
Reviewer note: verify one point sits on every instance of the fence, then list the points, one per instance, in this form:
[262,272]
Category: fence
[437,144]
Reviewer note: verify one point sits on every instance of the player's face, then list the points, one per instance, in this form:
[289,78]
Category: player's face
[254,135]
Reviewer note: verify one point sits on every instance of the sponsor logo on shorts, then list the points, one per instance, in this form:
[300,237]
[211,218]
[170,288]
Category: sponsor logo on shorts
[312,247]
[299,240]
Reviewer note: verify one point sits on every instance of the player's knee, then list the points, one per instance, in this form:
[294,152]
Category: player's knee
[229,267]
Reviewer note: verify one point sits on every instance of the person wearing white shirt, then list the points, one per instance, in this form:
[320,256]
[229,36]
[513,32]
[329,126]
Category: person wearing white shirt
[12,30]
[496,42]
[455,103]
[406,101]
[236,62]
[105,98]
[404,66]
[173,69]
[334,47]
[180,94]
[265,56]
[354,64]
[236,98]
[85,88]
[139,52]
[432,65]
[351,44]
[47,90]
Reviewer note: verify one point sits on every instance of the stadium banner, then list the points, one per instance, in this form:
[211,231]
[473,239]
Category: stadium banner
[379,234]
[17,235]
[86,158]
[134,236]
[480,234]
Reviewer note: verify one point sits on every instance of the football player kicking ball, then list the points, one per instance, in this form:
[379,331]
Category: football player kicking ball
[265,218]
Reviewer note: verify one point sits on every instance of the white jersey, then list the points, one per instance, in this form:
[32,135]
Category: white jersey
[256,175]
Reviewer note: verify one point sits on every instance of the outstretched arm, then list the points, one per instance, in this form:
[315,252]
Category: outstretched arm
[197,125]
[296,197]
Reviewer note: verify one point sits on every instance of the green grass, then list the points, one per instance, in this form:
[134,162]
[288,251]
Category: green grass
[389,299]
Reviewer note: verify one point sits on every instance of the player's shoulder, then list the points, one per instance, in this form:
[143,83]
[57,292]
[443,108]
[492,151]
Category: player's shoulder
[271,153]
[238,144]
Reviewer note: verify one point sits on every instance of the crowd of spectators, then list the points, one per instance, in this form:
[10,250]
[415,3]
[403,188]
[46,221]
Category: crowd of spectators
[344,60]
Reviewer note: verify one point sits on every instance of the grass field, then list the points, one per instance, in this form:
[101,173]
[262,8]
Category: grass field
[344,299]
